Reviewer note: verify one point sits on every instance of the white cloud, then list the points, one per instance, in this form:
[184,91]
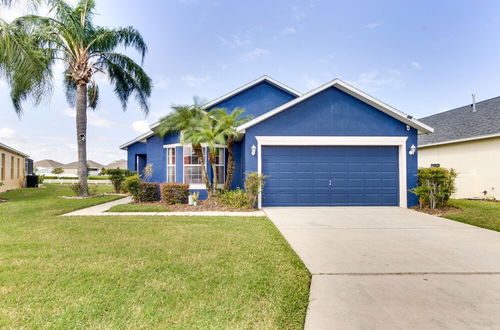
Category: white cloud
[289,30]
[140,126]
[416,65]
[373,25]
[93,118]
[6,133]
[235,41]
[311,83]
[257,52]
[297,14]
[194,81]
[162,82]
[374,80]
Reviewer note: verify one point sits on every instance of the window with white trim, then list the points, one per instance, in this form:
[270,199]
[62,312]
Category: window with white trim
[171,164]
[192,167]
[220,165]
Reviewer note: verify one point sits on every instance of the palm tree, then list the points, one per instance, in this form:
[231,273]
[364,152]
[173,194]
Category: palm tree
[185,119]
[228,123]
[211,132]
[30,46]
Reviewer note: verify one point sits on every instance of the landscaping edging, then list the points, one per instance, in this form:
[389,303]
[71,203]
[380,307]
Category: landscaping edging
[100,210]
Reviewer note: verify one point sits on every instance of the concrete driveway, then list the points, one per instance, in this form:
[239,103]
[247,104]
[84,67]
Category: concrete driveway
[393,268]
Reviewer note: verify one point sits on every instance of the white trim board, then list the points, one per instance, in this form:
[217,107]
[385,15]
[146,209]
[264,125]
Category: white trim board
[387,109]
[474,138]
[399,141]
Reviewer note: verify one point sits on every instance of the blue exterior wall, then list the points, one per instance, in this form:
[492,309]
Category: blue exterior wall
[332,113]
[157,155]
[257,100]
[137,148]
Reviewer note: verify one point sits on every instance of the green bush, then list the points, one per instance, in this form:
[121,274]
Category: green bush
[117,177]
[174,193]
[99,177]
[41,178]
[435,186]
[140,191]
[235,198]
[254,183]
[148,192]
[77,189]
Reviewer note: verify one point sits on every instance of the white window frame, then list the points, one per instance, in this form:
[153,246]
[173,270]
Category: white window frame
[171,165]
[201,185]
[220,182]
[399,141]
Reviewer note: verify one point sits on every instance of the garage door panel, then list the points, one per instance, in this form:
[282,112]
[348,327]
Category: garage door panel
[359,175]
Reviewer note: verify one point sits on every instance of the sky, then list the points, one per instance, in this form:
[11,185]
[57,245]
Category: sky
[421,57]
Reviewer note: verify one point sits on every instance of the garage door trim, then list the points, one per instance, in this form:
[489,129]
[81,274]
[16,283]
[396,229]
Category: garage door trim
[399,141]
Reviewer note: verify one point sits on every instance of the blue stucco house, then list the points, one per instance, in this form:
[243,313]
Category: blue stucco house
[332,146]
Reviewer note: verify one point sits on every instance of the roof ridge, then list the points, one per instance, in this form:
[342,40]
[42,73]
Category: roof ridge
[458,108]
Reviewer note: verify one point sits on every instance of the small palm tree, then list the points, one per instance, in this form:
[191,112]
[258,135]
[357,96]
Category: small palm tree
[228,123]
[186,119]
[211,132]
[31,45]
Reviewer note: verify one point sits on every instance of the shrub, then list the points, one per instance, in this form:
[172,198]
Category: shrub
[435,186]
[117,177]
[174,193]
[98,177]
[57,171]
[235,198]
[41,178]
[76,188]
[140,191]
[254,183]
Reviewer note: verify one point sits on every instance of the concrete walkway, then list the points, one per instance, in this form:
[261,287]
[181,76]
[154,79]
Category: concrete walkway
[393,268]
[100,210]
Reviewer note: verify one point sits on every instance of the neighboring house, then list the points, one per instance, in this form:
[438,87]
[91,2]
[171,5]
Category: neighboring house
[71,169]
[46,166]
[121,164]
[332,146]
[12,168]
[468,140]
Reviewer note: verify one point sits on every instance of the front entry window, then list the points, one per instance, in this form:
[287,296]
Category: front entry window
[192,167]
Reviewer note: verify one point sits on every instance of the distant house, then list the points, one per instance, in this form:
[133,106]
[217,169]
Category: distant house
[468,140]
[72,168]
[121,164]
[46,166]
[12,168]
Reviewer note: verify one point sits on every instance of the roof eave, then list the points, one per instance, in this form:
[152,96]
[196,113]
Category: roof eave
[473,138]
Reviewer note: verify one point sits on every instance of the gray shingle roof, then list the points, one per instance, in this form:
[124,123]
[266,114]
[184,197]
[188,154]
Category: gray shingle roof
[463,123]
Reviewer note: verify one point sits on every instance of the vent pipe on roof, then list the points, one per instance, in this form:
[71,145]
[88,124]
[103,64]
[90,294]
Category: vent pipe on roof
[473,105]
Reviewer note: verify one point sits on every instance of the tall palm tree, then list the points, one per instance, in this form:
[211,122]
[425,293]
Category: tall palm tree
[211,132]
[228,123]
[30,46]
[185,119]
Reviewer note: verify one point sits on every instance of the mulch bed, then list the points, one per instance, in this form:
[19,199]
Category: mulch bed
[205,205]
[438,212]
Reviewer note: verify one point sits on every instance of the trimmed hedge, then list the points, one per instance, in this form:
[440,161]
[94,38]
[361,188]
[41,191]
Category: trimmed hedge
[148,191]
[235,198]
[174,193]
[92,177]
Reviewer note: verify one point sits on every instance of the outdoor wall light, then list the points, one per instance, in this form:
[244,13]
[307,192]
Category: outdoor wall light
[254,150]
[413,149]
[408,128]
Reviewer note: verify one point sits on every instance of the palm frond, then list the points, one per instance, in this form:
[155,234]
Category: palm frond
[128,78]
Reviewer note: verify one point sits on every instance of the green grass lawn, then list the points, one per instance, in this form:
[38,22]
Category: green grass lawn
[142,272]
[477,213]
[138,208]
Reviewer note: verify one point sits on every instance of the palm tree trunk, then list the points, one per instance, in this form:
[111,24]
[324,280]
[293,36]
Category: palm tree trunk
[81,136]
[212,159]
[230,164]
[198,150]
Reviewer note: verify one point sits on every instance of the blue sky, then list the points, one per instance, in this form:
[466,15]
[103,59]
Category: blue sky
[421,57]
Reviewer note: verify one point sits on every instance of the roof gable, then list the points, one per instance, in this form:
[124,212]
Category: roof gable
[285,95]
[462,124]
[337,83]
